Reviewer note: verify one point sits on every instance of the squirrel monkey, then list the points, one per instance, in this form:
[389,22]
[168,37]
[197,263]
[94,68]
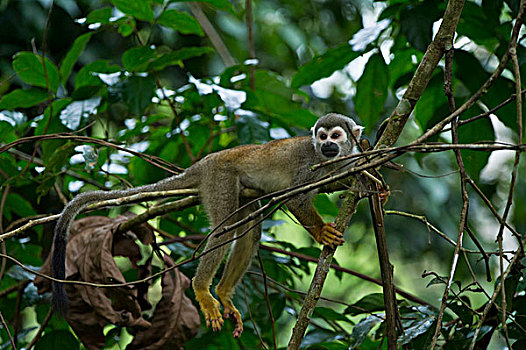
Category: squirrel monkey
[219,177]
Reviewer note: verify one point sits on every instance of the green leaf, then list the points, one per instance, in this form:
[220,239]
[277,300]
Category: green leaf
[371,91]
[19,206]
[224,5]
[52,126]
[101,16]
[126,26]
[283,110]
[324,205]
[137,59]
[73,54]
[324,65]
[180,21]
[140,9]
[137,93]
[7,132]
[30,69]
[250,129]
[146,59]
[23,98]
[369,303]
[58,339]
[330,314]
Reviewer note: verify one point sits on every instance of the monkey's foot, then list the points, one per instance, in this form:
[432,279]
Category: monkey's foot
[231,312]
[210,308]
[329,235]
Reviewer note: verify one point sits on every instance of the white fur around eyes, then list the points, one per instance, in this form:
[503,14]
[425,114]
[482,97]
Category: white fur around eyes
[337,129]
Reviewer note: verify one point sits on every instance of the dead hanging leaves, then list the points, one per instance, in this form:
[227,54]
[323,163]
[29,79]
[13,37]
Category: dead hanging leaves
[89,257]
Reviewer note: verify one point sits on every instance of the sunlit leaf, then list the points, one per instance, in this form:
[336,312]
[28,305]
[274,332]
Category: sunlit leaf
[362,329]
[76,111]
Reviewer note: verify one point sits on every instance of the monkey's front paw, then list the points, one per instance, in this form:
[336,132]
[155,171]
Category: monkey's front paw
[329,235]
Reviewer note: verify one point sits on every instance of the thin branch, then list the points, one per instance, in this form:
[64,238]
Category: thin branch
[448,83]
[7,331]
[212,34]
[269,308]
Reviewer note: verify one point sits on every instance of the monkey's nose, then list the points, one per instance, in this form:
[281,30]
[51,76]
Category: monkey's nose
[330,149]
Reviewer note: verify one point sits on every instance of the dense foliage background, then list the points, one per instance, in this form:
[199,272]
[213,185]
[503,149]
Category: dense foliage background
[177,80]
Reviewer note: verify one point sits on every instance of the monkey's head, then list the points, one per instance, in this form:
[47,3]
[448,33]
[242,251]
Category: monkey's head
[335,135]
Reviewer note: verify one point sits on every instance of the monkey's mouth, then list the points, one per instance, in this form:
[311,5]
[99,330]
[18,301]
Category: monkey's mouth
[330,149]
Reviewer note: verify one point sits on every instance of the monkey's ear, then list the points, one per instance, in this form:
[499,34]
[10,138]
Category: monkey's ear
[357,131]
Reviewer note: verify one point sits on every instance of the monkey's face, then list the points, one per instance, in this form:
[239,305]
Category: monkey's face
[332,142]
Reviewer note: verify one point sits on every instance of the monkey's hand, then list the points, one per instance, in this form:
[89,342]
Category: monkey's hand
[210,308]
[329,235]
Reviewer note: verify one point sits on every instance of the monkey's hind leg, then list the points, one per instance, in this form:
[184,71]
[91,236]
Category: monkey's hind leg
[238,262]
[219,201]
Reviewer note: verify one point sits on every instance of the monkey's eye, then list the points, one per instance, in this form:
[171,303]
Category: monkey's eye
[335,135]
[323,137]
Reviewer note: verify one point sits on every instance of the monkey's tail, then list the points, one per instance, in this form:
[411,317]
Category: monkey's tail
[74,207]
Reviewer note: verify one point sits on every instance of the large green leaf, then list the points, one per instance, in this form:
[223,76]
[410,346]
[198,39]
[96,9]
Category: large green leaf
[180,21]
[140,9]
[371,91]
[73,54]
[30,69]
[324,65]
[23,98]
